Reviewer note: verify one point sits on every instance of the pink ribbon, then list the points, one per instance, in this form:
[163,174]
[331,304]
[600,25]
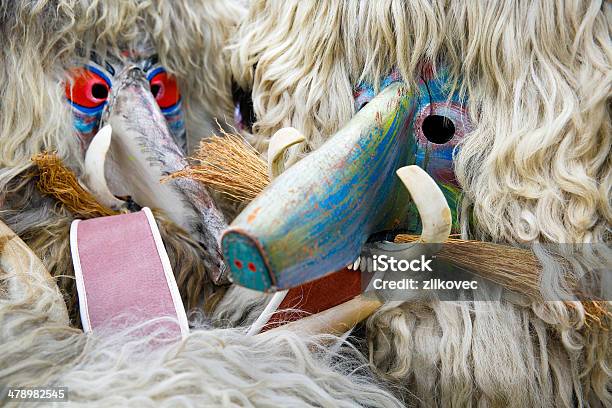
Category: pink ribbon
[123,274]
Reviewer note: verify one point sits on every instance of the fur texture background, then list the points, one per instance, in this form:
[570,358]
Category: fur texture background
[39,41]
[536,168]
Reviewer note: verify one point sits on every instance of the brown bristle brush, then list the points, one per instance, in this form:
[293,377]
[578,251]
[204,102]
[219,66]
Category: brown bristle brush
[228,165]
[54,179]
[513,268]
[231,166]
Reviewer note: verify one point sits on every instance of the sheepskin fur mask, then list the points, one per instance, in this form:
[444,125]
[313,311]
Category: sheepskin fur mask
[534,168]
[63,63]
[45,47]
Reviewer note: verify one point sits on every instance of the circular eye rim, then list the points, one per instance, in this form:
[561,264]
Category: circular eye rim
[99,74]
[453,110]
[162,89]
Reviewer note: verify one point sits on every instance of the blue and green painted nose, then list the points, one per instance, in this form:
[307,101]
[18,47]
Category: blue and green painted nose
[314,218]
[247,263]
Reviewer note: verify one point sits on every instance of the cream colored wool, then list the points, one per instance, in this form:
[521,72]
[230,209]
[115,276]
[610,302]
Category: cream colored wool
[39,41]
[536,168]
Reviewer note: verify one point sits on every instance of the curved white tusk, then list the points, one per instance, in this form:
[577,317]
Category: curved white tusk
[430,202]
[27,278]
[94,176]
[279,143]
[433,210]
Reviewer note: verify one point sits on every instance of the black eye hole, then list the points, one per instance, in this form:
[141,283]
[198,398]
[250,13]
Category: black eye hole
[242,99]
[438,129]
[99,91]
[155,89]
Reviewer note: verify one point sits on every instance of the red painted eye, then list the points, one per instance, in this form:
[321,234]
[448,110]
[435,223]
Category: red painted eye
[165,89]
[88,89]
[238,264]
[252,267]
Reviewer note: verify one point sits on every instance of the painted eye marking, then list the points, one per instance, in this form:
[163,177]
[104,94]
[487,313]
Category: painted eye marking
[164,88]
[252,267]
[238,264]
[88,90]
[441,124]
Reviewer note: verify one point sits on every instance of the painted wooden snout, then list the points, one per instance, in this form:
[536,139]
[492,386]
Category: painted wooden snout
[130,155]
[315,217]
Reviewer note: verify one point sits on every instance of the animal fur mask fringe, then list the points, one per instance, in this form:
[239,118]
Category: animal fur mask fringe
[535,168]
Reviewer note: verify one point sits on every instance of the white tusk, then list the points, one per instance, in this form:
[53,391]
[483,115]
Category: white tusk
[27,278]
[433,210]
[279,143]
[430,202]
[94,177]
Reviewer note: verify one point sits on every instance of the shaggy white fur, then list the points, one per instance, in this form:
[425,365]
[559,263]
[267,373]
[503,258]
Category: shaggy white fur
[536,168]
[40,41]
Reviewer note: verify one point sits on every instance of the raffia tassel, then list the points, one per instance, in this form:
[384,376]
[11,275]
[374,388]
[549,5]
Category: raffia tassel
[58,181]
[513,268]
[229,165]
